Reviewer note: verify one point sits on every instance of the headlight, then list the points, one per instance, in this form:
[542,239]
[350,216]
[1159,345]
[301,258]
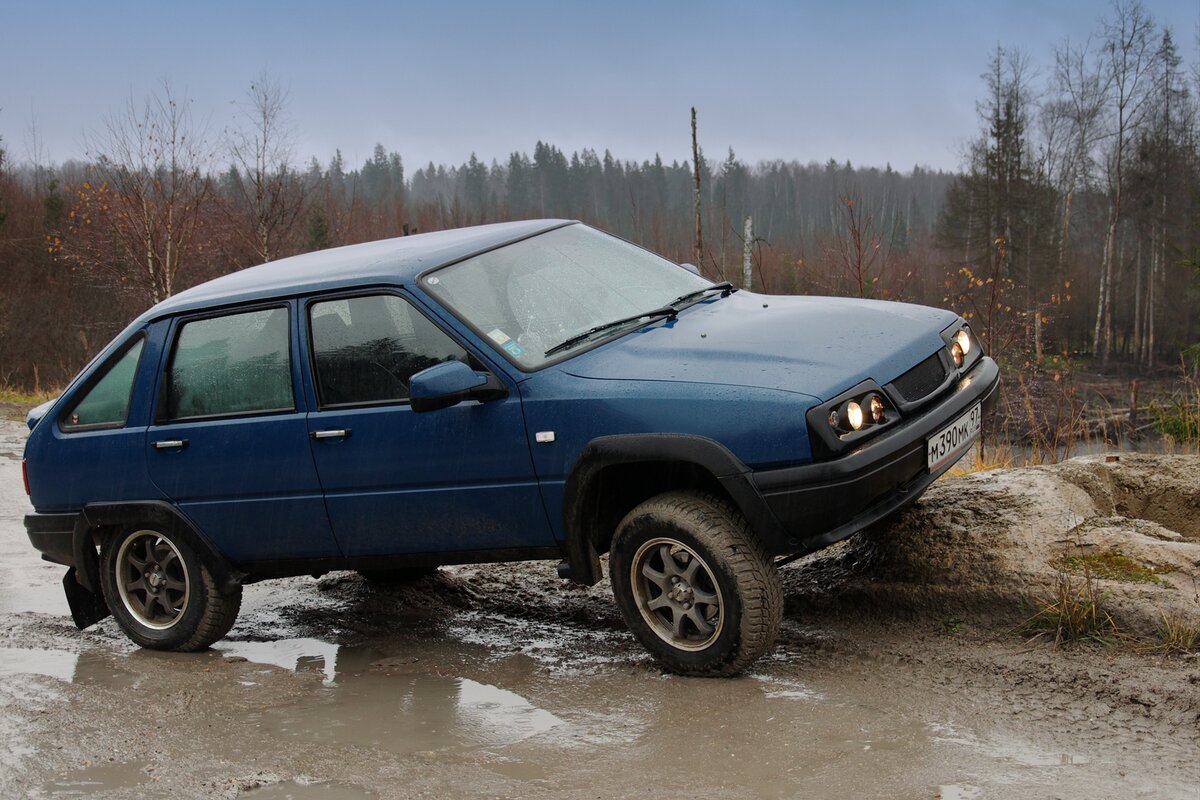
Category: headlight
[961,345]
[875,408]
[854,415]
[963,340]
[850,418]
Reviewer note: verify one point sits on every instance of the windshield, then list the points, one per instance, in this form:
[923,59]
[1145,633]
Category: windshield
[532,295]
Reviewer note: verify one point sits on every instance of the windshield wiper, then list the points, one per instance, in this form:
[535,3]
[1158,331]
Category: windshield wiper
[725,286]
[667,312]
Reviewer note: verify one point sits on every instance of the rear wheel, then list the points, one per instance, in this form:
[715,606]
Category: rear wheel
[161,593]
[694,585]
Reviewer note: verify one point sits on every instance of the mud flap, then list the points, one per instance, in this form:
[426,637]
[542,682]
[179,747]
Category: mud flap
[87,608]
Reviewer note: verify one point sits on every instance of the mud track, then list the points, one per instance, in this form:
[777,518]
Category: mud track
[898,673]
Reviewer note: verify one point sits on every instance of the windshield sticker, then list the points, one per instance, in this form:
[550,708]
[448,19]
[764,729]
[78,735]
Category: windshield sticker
[499,337]
[515,350]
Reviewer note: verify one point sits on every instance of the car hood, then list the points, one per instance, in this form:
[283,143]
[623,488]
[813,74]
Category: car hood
[819,346]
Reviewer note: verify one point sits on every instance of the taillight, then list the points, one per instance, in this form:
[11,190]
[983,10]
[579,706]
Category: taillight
[25,476]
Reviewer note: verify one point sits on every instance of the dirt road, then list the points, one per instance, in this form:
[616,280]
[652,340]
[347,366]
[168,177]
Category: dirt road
[501,681]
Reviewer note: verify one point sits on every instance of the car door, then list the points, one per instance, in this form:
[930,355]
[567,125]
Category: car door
[398,481]
[229,444]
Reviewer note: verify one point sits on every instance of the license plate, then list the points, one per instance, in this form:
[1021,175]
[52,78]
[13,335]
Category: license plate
[953,440]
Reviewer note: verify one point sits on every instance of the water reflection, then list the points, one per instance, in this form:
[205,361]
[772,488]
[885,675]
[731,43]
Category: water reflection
[366,702]
[297,655]
[320,790]
[51,663]
[410,713]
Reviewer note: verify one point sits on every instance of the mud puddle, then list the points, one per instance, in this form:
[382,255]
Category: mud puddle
[291,790]
[90,780]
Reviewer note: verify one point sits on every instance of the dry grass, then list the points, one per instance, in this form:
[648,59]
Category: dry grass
[1178,420]
[31,399]
[14,403]
[982,459]
[1176,635]
[1075,611]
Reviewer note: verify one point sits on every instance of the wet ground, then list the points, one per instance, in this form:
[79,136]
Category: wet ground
[500,681]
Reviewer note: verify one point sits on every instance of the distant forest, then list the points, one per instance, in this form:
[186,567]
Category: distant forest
[1072,228]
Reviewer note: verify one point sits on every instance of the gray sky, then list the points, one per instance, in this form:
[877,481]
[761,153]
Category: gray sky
[873,82]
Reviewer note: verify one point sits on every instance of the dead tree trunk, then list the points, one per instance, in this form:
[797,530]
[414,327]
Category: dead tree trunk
[699,241]
[747,259]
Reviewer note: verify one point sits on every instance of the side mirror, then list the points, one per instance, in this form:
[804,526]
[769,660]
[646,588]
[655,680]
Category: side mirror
[692,268]
[448,384]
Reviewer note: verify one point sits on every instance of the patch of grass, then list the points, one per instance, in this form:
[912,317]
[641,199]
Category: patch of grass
[1073,612]
[994,456]
[17,397]
[1176,634]
[1111,565]
[14,402]
[1179,420]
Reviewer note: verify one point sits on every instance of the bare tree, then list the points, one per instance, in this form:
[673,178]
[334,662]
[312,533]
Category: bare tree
[858,247]
[151,161]
[1075,117]
[1127,62]
[269,193]
[747,254]
[699,241]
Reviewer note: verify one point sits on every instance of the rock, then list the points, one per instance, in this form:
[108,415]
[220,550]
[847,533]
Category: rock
[982,542]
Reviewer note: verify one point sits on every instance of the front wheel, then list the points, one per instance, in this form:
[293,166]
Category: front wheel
[694,585]
[162,594]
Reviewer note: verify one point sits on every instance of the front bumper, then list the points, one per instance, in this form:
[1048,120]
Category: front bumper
[821,503]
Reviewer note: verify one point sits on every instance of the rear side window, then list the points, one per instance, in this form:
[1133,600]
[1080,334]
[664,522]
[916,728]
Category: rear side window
[106,404]
[367,348]
[232,365]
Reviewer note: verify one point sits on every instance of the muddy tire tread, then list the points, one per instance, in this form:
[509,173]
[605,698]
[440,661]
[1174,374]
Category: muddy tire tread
[723,529]
[219,610]
[220,613]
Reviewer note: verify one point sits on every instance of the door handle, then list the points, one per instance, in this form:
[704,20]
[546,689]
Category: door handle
[341,433]
[168,444]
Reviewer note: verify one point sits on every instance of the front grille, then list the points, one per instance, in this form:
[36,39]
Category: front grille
[918,382]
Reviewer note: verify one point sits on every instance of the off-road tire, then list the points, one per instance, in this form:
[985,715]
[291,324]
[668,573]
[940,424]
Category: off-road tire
[205,616]
[396,577]
[747,582]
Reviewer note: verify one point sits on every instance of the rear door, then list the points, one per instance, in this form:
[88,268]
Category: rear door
[229,443]
[397,481]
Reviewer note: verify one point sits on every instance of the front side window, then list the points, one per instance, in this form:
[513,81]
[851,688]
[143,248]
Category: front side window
[106,404]
[365,349]
[232,365]
[531,295]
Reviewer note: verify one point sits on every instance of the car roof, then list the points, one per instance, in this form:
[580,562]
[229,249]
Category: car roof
[388,261]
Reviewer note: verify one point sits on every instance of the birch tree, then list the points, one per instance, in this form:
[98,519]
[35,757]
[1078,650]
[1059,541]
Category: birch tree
[142,213]
[1127,60]
[268,192]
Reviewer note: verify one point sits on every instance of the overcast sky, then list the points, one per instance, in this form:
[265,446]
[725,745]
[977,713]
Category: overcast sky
[874,81]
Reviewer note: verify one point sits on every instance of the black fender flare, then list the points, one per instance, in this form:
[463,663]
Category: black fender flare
[602,452]
[96,517]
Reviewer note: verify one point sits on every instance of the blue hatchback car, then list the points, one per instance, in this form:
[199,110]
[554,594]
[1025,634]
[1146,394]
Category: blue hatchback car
[528,390]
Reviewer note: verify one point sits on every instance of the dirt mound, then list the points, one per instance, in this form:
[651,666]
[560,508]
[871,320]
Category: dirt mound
[982,543]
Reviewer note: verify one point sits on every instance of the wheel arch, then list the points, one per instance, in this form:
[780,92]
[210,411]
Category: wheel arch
[99,520]
[615,473]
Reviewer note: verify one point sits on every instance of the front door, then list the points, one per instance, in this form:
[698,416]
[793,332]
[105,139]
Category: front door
[399,482]
[230,445]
